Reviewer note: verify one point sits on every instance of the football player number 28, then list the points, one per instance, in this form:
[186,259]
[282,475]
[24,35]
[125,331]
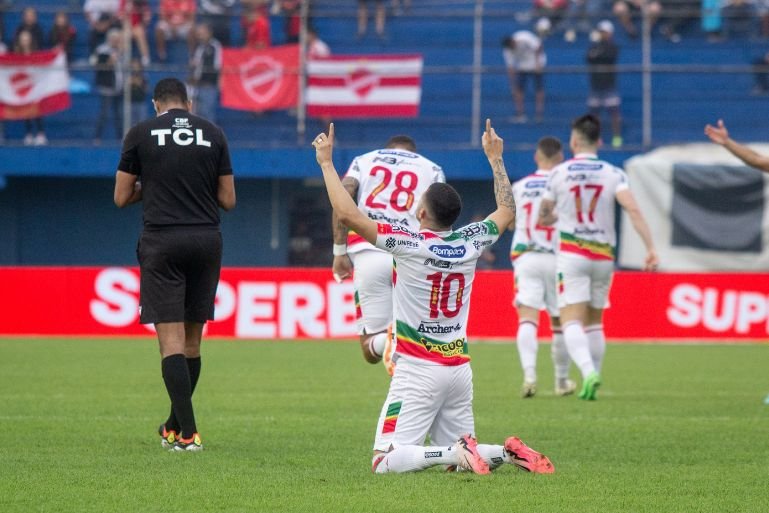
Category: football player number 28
[402,196]
[441,295]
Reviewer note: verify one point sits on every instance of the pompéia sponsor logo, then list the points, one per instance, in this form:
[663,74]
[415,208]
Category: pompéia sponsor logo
[255,309]
[719,310]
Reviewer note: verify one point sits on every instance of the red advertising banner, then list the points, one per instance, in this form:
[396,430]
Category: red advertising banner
[287,303]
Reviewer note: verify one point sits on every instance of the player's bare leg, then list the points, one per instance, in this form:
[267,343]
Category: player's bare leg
[526,340]
[574,317]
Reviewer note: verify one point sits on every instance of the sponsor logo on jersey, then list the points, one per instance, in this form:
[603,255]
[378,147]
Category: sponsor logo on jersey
[535,184]
[181,123]
[399,153]
[446,251]
[433,454]
[402,229]
[532,194]
[434,328]
[181,136]
[447,349]
[585,166]
[480,244]
[440,264]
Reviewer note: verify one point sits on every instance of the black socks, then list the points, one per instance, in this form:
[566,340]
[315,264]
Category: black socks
[180,376]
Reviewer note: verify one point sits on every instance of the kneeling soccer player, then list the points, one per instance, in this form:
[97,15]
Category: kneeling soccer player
[431,391]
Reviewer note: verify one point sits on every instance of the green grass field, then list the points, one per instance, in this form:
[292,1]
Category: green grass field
[289,426]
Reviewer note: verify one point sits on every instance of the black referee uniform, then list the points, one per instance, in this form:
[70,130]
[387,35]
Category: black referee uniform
[178,158]
[178,166]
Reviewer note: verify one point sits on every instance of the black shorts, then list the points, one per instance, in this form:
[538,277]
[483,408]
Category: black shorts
[179,274]
[523,77]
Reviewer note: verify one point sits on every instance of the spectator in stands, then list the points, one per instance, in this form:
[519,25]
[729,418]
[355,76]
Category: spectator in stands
[34,130]
[3,51]
[316,48]
[63,34]
[553,10]
[102,15]
[206,64]
[256,26]
[176,18]
[136,15]
[582,16]
[139,91]
[676,15]
[602,60]
[740,18]
[626,10]
[216,14]
[379,18]
[292,21]
[525,59]
[30,24]
[761,75]
[107,60]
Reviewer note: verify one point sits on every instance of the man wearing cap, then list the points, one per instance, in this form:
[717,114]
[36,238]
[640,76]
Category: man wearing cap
[602,60]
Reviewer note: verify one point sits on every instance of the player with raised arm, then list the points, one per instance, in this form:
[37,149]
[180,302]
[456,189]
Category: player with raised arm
[387,185]
[431,391]
[720,135]
[533,257]
[583,191]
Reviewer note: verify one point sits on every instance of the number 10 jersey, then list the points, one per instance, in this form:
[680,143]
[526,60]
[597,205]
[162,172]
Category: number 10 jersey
[390,184]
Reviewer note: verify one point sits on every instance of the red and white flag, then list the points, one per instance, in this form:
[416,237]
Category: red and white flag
[362,86]
[258,80]
[33,85]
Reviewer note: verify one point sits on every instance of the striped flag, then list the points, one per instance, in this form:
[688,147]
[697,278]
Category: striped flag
[33,85]
[364,86]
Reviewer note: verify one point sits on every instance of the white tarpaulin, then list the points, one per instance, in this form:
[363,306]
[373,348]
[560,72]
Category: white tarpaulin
[706,210]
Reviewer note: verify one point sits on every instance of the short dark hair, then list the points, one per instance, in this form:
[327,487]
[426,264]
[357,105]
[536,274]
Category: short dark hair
[170,90]
[508,42]
[402,141]
[589,127]
[549,146]
[443,203]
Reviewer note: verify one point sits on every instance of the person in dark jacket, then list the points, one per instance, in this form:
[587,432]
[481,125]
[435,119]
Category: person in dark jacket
[602,60]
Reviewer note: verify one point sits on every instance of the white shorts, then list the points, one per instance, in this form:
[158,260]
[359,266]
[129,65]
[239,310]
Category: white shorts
[581,280]
[435,400]
[535,282]
[373,281]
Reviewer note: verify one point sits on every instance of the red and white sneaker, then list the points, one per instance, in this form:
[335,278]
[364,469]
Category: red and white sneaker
[526,458]
[469,459]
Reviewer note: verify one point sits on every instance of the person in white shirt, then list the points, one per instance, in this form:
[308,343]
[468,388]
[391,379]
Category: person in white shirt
[431,391]
[533,256]
[583,192]
[387,185]
[525,60]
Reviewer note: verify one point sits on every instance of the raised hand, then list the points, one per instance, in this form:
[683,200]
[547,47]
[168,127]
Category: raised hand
[718,134]
[492,143]
[324,146]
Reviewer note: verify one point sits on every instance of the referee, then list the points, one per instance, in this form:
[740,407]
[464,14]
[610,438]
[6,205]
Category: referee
[178,166]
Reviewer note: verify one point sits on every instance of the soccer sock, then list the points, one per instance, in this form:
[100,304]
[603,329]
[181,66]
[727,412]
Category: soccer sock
[597,343]
[193,364]
[493,455]
[176,376]
[527,350]
[560,354]
[410,458]
[578,347]
[376,343]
